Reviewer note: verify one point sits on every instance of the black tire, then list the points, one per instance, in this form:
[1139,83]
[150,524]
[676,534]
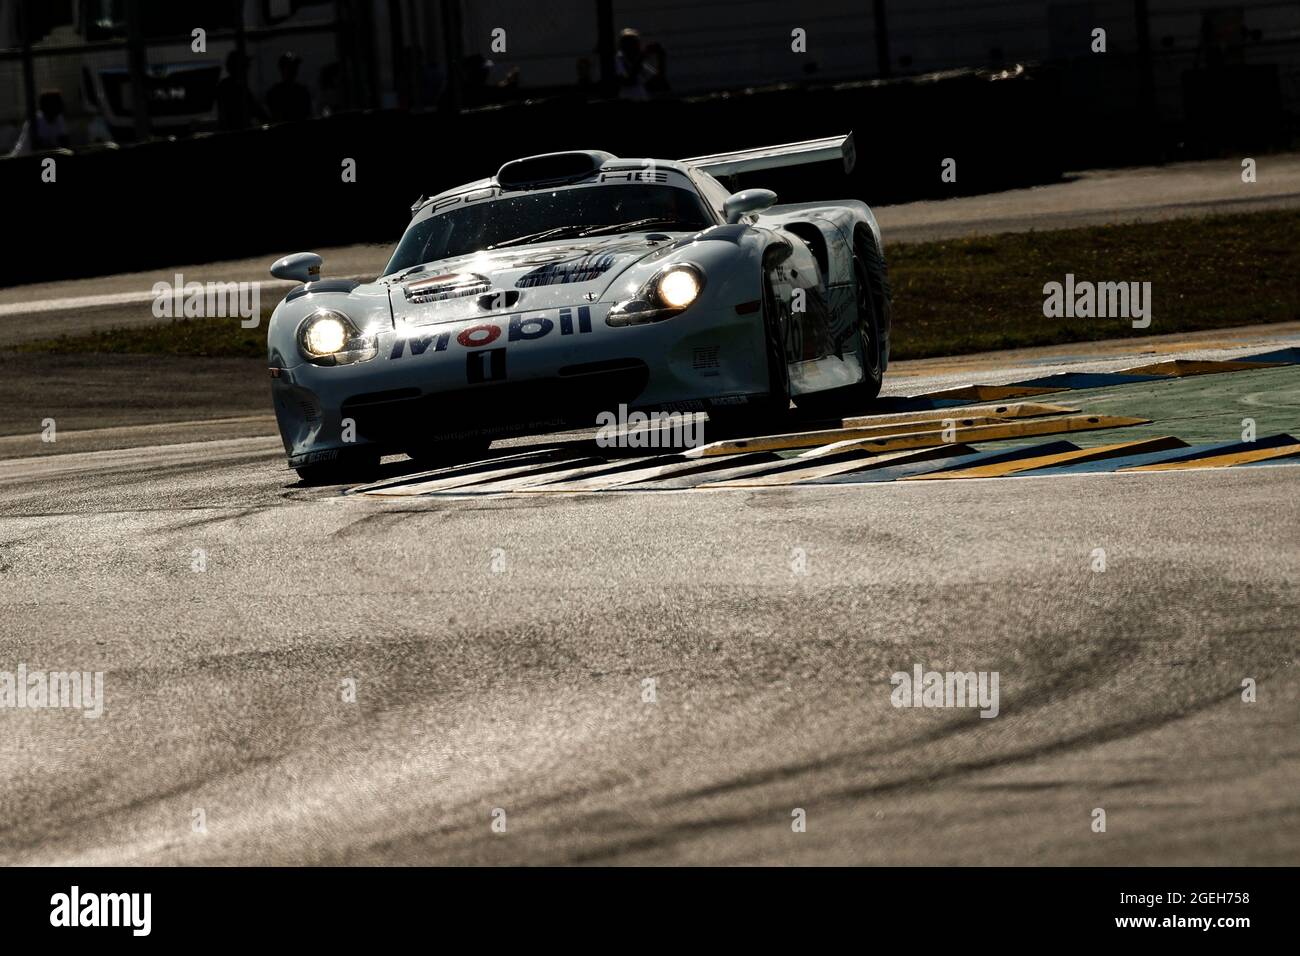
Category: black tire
[772,410]
[439,454]
[882,296]
[872,295]
[350,467]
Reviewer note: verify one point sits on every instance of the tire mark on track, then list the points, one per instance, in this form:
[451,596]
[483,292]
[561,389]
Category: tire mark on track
[1092,737]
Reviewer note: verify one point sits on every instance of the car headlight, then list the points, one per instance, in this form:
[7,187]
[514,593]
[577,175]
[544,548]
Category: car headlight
[325,334]
[678,288]
[668,293]
[327,337]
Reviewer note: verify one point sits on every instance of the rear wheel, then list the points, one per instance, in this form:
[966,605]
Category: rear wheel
[871,298]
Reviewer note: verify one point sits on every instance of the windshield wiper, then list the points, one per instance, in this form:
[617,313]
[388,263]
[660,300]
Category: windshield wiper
[640,224]
[535,236]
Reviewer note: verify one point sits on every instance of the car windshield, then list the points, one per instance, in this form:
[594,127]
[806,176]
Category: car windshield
[521,218]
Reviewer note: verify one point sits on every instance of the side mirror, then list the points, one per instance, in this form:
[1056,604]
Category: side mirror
[747,201]
[302,266]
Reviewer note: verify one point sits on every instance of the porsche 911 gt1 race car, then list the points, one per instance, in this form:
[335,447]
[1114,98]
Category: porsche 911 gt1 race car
[570,284]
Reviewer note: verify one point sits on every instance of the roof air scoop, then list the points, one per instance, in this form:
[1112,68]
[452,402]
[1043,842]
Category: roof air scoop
[549,169]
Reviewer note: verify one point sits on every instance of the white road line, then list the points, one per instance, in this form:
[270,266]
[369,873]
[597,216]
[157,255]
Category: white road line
[96,301]
[73,303]
[78,302]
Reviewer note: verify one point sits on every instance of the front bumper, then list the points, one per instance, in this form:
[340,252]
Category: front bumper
[520,373]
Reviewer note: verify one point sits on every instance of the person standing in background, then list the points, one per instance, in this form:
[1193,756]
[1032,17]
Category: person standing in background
[50,133]
[289,101]
[236,105]
[630,66]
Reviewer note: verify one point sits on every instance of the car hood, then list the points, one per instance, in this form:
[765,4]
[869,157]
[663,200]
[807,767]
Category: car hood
[537,276]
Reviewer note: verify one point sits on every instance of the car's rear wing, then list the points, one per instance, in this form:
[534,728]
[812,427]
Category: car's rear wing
[773,157]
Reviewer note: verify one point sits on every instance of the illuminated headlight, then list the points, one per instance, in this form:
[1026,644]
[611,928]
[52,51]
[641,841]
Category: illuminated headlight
[329,338]
[325,335]
[678,288]
[665,295]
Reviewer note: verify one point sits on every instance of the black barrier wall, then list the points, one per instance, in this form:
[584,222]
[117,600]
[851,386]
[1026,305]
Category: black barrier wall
[281,188]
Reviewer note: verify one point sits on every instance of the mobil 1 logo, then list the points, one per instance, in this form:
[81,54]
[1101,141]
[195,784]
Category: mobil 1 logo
[485,365]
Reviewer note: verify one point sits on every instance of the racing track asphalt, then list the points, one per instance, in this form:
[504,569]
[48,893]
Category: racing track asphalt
[523,688]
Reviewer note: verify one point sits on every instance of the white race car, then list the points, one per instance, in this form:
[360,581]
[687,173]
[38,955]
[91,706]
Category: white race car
[570,284]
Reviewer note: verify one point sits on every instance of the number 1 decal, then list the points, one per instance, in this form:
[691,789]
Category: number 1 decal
[485,365]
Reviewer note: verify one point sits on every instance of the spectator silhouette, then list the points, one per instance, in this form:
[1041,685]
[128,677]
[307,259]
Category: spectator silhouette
[288,100]
[50,133]
[630,66]
[236,105]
